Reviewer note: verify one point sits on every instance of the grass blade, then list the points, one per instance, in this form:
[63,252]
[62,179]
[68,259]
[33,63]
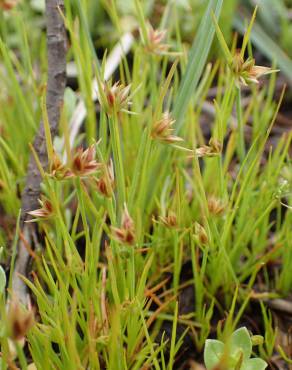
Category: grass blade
[197,60]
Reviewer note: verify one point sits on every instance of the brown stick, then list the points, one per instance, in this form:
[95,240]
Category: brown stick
[56,54]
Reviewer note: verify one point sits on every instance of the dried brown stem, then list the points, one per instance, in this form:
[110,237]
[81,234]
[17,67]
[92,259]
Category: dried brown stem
[56,82]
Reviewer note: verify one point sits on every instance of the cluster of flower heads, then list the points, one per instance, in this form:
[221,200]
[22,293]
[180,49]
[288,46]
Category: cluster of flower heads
[116,98]
[83,165]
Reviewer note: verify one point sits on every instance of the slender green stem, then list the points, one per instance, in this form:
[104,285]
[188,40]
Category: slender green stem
[241,142]
[118,160]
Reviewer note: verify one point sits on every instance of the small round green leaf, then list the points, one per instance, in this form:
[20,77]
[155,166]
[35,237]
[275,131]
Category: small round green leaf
[240,340]
[212,353]
[254,364]
[2,280]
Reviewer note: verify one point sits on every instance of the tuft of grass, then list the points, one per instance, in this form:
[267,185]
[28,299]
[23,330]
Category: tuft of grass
[183,226]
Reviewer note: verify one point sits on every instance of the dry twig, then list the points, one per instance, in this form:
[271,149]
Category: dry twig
[56,46]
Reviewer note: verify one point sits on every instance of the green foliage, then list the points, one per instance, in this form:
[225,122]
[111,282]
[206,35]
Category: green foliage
[2,280]
[181,201]
[234,355]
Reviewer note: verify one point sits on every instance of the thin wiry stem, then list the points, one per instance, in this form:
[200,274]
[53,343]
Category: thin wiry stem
[56,46]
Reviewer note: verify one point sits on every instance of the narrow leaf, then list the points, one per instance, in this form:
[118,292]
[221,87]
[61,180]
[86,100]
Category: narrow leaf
[222,41]
[247,33]
[197,60]
[2,280]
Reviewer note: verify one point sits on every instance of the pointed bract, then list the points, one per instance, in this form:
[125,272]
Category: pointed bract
[46,211]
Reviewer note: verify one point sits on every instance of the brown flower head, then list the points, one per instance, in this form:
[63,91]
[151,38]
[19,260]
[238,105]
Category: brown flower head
[246,72]
[58,169]
[213,149]
[201,233]
[46,211]
[155,43]
[117,97]
[84,162]
[170,220]
[19,320]
[126,233]
[105,183]
[216,206]
[162,130]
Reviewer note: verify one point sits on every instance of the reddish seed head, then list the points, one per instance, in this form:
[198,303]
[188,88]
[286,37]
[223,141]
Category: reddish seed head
[117,97]
[84,163]
[105,184]
[162,130]
[126,233]
[46,211]
[111,98]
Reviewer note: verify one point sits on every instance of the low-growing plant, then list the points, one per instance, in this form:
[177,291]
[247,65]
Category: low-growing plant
[233,354]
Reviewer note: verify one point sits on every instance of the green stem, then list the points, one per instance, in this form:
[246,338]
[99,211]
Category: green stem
[118,160]
[241,144]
